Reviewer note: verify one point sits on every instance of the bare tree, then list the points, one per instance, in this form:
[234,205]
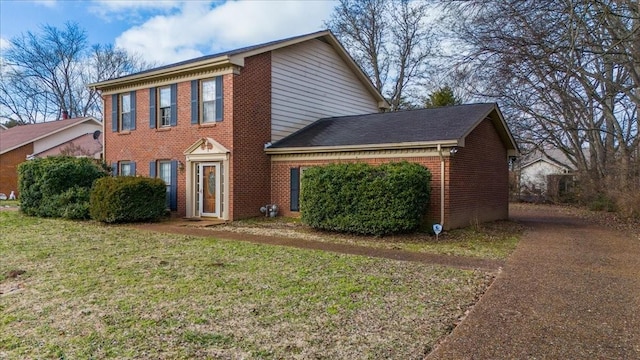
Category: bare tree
[567,73]
[44,75]
[390,40]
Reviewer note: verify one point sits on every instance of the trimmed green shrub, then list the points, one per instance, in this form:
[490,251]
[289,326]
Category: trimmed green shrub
[128,199]
[58,186]
[364,199]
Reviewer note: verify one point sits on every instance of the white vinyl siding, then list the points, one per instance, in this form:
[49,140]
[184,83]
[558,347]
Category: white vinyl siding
[310,81]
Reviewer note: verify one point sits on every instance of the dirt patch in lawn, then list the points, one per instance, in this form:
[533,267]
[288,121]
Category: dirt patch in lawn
[285,232]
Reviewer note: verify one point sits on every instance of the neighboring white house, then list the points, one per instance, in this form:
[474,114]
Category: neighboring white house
[537,166]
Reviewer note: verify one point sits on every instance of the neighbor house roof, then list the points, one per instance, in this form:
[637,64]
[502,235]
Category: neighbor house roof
[236,58]
[554,157]
[446,126]
[18,136]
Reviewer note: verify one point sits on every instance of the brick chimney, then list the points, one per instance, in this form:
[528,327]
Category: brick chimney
[65,115]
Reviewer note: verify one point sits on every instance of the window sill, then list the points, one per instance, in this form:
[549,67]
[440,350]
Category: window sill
[124,132]
[163,129]
[206,125]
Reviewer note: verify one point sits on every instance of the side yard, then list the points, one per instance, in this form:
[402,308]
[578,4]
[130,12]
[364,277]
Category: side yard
[82,290]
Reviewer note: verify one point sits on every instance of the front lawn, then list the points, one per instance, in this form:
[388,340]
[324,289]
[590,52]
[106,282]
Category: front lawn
[78,290]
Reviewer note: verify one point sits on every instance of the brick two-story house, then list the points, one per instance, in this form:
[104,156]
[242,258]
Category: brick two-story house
[224,131]
[202,125]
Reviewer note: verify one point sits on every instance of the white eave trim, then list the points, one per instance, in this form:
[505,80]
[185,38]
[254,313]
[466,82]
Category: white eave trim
[368,147]
[172,70]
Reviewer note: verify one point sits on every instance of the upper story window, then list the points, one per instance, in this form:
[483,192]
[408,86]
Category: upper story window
[206,100]
[163,110]
[123,111]
[208,88]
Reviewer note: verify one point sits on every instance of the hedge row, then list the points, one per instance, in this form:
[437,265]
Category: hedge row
[365,199]
[79,188]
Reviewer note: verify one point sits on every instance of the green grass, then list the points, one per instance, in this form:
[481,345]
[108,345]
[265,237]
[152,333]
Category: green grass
[9,203]
[92,291]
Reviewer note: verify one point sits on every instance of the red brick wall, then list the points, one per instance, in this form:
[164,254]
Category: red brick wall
[281,182]
[252,129]
[9,168]
[145,144]
[479,179]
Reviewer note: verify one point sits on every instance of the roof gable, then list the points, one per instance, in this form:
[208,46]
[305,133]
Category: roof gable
[415,128]
[18,136]
[235,58]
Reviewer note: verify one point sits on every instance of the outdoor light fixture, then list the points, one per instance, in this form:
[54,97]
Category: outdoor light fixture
[453,150]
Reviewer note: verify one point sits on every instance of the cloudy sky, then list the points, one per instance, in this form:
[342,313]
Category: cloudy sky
[166,31]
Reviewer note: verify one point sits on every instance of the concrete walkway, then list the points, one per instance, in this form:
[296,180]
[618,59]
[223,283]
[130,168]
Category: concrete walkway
[571,290]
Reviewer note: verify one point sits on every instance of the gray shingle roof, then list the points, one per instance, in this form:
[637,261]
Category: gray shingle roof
[425,125]
[223,53]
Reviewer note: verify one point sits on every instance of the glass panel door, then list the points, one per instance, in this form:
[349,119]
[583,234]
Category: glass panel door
[209,189]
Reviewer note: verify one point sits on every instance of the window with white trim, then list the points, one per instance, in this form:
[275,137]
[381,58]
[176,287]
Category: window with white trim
[127,168]
[164,106]
[125,111]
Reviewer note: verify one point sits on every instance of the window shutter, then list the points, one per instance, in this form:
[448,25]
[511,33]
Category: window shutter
[295,189]
[133,111]
[174,105]
[194,102]
[152,169]
[219,98]
[114,113]
[152,108]
[114,168]
[173,192]
[133,168]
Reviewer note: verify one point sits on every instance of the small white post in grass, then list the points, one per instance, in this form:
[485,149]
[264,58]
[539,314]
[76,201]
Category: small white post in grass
[437,229]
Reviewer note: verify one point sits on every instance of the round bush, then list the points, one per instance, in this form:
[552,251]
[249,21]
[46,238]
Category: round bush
[124,199]
[58,186]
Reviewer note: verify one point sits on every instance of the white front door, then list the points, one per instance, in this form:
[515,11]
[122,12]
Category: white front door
[209,189]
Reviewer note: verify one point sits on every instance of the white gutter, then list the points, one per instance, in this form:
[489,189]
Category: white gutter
[367,147]
[441,185]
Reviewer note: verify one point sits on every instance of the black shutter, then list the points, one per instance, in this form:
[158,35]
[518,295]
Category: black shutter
[114,113]
[174,105]
[114,168]
[133,111]
[295,189]
[173,192]
[194,102]
[152,169]
[219,98]
[152,108]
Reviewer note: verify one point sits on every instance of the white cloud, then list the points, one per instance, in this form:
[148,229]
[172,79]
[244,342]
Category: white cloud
[201,28]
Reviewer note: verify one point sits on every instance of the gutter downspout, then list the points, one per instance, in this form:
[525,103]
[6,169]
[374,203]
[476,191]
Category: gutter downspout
[441,185]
